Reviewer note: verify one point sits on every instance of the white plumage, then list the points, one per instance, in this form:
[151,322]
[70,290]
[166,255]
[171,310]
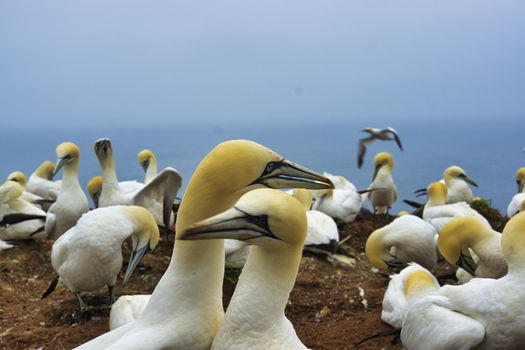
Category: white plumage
[11,203]
[157,195]
[41,183]
[71,202]
[407,239]
[89,255]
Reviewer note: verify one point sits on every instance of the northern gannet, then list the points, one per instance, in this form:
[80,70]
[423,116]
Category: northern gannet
[157,195]
[438,214]
[407,239]
[342,205]
[41,181]
[185,310]
[457,182]
[94,188]
[387,134]
[340,182]
[321,228]
[275,224]
[89,256]
[148,162]
[20,177]
[464,235]
[384,190]
[71,202]
[127,309]
[494,308]
[413,281]
[515,202]
[19,219]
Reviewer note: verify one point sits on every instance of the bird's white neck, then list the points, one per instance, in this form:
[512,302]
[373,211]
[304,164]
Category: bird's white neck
[109,173]
[263,289]
[151,171]
[70,175]
[191,289]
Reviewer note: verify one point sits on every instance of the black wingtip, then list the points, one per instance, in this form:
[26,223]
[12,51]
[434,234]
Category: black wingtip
[11,219]
[51,288]
[413,204]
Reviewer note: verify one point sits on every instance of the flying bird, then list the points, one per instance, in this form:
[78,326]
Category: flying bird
[388,134]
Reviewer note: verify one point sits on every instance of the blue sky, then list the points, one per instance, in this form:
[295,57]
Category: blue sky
[128,61]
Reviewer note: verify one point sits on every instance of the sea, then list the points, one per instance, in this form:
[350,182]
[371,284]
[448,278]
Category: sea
[490,151]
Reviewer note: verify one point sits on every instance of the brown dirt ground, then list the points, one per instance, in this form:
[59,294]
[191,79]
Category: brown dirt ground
[325,305]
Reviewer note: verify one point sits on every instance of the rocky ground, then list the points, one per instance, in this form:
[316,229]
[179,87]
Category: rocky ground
[331,307]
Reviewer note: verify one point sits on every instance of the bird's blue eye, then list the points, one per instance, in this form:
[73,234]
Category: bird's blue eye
[270,167]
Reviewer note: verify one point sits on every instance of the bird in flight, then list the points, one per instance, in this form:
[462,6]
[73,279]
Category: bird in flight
[387,134]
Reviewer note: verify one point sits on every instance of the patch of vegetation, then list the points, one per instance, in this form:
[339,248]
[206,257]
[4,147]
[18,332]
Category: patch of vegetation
[232,275]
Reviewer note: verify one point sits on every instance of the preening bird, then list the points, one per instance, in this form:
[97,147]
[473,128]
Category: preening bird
[492,310]
[388,134]
[407,239]
[89,256]
[71,202]
[275,224]
[471,245]
[94,188]
[148,162]
[188,299]
[41,181]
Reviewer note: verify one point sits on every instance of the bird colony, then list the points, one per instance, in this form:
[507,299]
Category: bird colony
[247,207]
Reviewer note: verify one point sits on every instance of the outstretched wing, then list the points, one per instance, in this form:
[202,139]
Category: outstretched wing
[396,137]
[162,188]
[362,149]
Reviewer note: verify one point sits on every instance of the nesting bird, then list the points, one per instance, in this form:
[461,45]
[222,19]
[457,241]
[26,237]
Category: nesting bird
[515,202]
[71,202]
[191,288]
[438,214]
[412,282]
[41,181]
[20,177]
[19,219]
[388,134]
[384,191]
[407,239]
[275,223]
[321,229]
[89,255]
[492,309]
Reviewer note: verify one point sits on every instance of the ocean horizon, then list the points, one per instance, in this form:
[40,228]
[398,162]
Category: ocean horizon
[490,152]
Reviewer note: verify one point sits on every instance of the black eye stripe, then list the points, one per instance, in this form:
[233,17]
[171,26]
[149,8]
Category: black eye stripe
[258,220]
[271,166]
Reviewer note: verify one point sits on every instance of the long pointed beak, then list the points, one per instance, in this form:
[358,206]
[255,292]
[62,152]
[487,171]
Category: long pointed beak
[467,263]
[231,224]
[287,174]
[102,145]
[518,182]
[145,165]
[59,166]
[136,256]
[376,170]
[95,198]
[470,181]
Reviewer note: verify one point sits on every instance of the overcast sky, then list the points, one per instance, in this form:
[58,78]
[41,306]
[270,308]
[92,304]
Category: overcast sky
[103,61]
